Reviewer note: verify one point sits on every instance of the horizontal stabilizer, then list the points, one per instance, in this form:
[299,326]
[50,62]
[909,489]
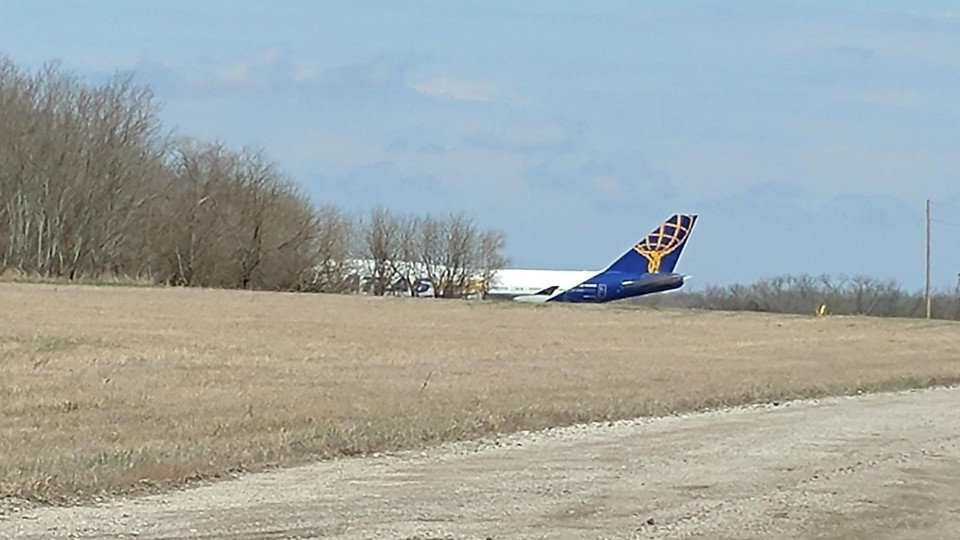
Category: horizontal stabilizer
[548,291]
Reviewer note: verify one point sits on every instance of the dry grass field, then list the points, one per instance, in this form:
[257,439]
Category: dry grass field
[107,390]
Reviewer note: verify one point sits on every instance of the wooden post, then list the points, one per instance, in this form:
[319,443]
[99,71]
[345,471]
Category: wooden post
[927,286]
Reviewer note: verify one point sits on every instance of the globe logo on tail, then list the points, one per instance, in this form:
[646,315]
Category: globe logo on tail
[662,241]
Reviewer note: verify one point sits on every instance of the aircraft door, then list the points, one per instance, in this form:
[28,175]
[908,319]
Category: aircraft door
[601,291]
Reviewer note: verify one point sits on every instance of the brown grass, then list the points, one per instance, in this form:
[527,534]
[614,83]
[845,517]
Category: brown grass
[106,390]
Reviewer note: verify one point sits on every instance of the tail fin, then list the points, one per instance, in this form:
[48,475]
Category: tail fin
[659,251]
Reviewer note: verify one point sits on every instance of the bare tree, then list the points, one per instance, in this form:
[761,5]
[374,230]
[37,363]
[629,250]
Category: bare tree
[489,258]
[460,237]
[193,228]
[237,222]
[407,267]
[456,257]
[336,232]
[89,186]
[77,168]
[430,256]
[381,245]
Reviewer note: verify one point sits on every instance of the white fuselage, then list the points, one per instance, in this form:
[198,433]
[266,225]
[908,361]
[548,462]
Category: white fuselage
[513,282]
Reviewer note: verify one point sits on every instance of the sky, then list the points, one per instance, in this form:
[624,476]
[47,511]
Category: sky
[807,135]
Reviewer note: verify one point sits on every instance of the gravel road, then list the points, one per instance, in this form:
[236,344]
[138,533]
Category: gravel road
[877,466]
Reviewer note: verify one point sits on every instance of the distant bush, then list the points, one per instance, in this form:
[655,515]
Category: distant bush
[805,294]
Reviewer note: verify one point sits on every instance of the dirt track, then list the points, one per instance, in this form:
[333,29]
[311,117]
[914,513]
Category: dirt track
[878,466]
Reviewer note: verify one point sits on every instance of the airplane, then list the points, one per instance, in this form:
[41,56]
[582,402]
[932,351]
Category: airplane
[645,268]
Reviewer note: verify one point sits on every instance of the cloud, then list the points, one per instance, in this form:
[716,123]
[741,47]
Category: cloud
[272,70]
[433,149]
[619,183]
[460,90]
[380,74]
[531,139]
[783,228]
[269,69]
[765,202]
[604,184]
[401,145]
[896,98]
[856,52]
[383,183]
[302,150]
[397,145]
[865,210]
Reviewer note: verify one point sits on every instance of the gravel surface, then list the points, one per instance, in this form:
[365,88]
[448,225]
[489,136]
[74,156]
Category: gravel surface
[877,466]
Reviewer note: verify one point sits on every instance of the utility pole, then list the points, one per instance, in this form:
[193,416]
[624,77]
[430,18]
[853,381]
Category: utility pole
[927,287]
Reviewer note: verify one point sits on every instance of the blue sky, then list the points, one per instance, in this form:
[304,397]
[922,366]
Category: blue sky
[807,135]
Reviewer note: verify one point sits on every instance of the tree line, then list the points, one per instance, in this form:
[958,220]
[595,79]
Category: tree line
[91,186]
[806,294]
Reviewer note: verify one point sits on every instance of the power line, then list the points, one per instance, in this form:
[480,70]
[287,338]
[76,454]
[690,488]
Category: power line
[947,202]
[945,222]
